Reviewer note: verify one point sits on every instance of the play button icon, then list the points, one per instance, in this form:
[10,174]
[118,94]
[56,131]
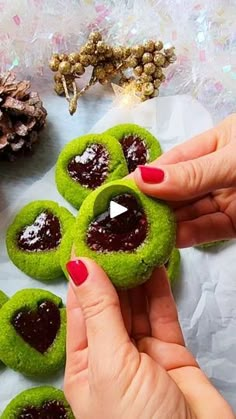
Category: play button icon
[106,200]
[116,209]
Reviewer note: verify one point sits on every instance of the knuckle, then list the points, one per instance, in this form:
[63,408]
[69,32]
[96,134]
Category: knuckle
[192,174]
[225,168]
[99,305]
[124,355]
[178,153]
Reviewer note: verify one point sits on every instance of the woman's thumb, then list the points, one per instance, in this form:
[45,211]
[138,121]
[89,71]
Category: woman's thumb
[100,306]
[188,179]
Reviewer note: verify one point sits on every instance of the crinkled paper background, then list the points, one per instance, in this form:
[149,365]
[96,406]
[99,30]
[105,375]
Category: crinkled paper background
[206,291]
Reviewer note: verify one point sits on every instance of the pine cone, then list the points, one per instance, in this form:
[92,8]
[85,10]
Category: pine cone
[22,115]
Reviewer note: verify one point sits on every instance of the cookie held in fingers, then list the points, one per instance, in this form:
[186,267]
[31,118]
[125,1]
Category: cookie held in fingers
[129,244]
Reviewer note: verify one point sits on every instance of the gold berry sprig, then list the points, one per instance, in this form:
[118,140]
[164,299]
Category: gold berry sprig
[144,63]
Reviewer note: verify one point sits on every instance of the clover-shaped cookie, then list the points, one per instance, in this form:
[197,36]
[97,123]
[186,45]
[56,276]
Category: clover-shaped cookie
[138,144]
[38,403]
[86,163]
[33,239]
[33,332]
[127,246]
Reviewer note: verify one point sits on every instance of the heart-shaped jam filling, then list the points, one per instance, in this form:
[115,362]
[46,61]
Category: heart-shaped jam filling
[38,328]
[43,234]
[125,232]
[49,410]
[90,168]
[134,150]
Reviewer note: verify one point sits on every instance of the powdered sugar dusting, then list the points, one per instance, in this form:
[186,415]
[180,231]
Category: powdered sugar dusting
[31,232]
[135,151]
[43,234]
[90,168]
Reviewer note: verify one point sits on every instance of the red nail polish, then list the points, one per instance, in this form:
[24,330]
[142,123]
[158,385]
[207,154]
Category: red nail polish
[151,174]
[77,271]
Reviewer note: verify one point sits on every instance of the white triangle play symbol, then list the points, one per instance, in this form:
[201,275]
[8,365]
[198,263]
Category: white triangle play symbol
[116,209]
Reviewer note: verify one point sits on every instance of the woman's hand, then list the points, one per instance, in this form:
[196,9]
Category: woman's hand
[198,177]
[126,357]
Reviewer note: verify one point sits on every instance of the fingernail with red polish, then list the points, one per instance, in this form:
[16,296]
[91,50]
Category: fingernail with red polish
[77,271]
[151,174]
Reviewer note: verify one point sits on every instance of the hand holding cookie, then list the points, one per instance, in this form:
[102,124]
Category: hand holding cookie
[198,178]
[126,356]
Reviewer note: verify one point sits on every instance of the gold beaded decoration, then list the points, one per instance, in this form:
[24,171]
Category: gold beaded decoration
[146,62]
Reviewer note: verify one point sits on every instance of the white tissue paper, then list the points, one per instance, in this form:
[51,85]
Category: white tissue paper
[206,291]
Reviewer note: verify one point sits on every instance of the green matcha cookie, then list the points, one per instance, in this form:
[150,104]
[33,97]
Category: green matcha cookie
[139,145]
[86,163]
[206,246]
[33,333]
[3,298]
[127,246]
[173,266]
[39,403]
[33,239]
[66,249]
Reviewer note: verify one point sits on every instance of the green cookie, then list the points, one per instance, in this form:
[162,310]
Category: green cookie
[206,246]
[3,298]
[86,163]
[138,144]
[66,249]
[33,239]
[33,333]
[173,266]
[38,402]
[126,268]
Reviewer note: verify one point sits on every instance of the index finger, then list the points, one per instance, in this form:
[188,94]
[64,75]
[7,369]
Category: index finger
[198,146]
[162,309]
